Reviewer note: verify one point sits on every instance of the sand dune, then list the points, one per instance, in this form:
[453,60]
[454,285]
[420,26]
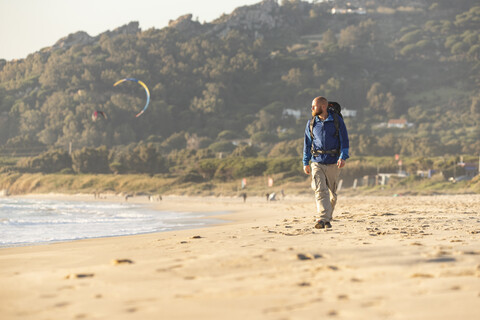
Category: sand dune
[384,258]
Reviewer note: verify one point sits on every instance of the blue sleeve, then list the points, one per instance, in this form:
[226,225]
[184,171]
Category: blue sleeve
[307,145]
[344,143]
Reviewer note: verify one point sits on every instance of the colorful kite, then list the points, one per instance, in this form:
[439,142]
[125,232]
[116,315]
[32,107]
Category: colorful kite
[96,113]
[146,90]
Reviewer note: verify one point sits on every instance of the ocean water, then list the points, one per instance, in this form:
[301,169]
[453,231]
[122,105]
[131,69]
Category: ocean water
[30,221]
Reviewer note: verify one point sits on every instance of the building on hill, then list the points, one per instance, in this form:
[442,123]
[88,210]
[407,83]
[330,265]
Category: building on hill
[349,11]
[347,113]
[349,7]
[293,113]
[399,123]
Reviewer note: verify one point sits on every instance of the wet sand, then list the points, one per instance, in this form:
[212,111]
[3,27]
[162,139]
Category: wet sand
[384,258]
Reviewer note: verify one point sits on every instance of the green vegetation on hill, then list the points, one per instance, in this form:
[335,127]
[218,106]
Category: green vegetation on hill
[223,88]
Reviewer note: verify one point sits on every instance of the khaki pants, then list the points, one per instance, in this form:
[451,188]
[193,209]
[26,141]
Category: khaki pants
[324,183]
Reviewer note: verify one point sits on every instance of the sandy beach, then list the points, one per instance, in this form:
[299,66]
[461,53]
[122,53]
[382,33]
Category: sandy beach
[384,258]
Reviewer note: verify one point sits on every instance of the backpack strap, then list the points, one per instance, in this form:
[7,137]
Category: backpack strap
[336,123]
[312,122]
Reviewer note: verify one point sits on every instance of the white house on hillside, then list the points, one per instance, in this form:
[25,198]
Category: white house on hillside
[399,123]
[349,113]
[292,112]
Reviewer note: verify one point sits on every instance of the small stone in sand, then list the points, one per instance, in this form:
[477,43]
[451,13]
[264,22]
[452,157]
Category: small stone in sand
[197,237]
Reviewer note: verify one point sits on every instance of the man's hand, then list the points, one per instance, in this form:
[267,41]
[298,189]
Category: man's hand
[340,163]
[306,169]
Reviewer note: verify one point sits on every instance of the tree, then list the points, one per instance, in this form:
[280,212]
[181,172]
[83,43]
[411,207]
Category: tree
[291,148]
[175,141]
[475,108]
[361,36]
[48,162]
[380,102]
[294,77]
[89,160]
[244,151]
[211,100]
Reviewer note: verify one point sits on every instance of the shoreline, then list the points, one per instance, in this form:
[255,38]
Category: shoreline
[385,257]
[215,217]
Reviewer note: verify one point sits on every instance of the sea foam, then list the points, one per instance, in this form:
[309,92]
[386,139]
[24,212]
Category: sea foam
[30,221]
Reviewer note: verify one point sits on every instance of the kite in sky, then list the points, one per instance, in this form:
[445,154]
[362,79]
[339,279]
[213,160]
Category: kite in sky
[146,91]
[96,113]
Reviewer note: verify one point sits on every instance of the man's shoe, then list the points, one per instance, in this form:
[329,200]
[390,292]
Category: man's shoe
[320,225]
[328,225]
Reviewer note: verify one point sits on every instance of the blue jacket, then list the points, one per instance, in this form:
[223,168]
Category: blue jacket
[324,139]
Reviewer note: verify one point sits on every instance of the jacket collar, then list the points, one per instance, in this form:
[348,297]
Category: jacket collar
[329,118]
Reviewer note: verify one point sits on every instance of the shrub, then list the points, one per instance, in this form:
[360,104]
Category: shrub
[244,151]
[190,176]
[292,148]
[249,167]
[208,167]
[284,165]
[175,141]
[48,162]
[89,160]
[222,146]
[264,137]
[227,135]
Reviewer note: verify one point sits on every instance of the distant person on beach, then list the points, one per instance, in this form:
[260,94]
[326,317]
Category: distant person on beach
[244,196]
[326,147]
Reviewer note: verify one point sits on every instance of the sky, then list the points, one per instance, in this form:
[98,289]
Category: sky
[26,26]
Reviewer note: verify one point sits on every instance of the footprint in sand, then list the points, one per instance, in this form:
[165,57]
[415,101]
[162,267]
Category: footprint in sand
[79,275]
[421,275]
[304,284]
[169,268]
[332,313]
[121,261]
[61,304]
[441,259]
[308,256]
[471,252]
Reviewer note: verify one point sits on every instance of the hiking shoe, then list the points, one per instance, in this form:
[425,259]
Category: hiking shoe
[328,225]
[320,225]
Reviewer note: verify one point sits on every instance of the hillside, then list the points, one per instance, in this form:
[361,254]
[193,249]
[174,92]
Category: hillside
[238,83]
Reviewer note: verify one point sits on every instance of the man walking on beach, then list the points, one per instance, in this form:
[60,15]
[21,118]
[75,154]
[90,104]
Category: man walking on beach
[326,145]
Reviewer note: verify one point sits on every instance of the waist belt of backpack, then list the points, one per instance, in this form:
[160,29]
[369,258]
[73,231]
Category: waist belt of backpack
[316,153]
